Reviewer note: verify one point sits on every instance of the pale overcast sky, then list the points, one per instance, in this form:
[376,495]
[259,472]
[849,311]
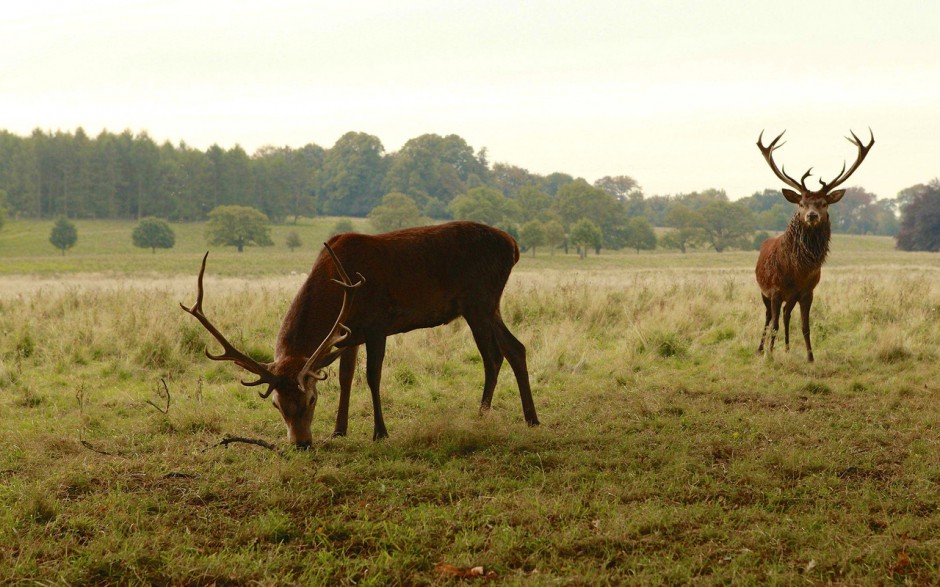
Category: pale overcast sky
[671,93]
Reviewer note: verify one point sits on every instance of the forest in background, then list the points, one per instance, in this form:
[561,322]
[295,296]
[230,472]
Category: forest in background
[127,175]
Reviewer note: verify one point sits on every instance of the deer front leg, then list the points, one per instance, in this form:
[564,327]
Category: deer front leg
[375,356]
[347,368]
[805,303]
[787,310]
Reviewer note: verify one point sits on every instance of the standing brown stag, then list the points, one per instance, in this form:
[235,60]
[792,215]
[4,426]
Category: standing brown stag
[789,265]
[407,279]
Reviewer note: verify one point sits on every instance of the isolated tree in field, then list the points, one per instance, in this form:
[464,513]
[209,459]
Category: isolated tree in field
[554,235]
[532,235]
[293,241]
[342,225]
[727,225]
[395,212]
[64,234]
[239,227]
[153,234]
[920,220]
[640,235]
[585,234]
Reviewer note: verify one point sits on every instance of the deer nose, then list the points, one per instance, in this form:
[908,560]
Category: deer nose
[303,445]
[812,216]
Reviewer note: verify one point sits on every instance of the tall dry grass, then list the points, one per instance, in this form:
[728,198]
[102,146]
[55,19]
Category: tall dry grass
[669,451]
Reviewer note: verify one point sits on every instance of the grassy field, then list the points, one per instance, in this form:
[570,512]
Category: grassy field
[668,451]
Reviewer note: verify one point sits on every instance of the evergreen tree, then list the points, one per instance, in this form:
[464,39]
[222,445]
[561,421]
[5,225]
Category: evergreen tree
[64,235]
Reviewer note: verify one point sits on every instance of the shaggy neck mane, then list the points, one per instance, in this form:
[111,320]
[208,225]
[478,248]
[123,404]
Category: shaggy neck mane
[806,245]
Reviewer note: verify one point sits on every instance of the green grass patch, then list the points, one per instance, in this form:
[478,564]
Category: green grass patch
[669,452]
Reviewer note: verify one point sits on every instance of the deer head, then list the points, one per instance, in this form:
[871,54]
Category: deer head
[293,382]
[814,205]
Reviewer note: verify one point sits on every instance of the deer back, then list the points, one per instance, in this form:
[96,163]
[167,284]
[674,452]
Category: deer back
[415,278]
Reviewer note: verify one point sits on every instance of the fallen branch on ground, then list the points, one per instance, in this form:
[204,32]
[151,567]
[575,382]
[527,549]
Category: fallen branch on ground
[257,442]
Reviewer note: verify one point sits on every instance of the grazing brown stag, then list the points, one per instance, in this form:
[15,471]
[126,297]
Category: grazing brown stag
[789,265]
[408,279]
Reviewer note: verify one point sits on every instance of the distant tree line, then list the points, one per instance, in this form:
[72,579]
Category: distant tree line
[432,177]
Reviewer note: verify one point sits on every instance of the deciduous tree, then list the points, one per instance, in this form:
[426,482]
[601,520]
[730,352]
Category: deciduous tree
[342,225]
[688,227]
[351,180]
[293,241]
[554,235]
[585,234]
[727,225]
[238,226]
[920,220]
[396,211]
[532,235]
[153,234]
[484,205]
[640,234]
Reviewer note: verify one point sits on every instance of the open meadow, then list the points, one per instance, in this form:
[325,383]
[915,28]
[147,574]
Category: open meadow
[669,452]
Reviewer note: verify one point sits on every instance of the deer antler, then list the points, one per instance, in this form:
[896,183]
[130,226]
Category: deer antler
[862,153]
[768,153]
[230,352]
[324,355]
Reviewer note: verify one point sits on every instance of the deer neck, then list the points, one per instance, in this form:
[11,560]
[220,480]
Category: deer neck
[807,246]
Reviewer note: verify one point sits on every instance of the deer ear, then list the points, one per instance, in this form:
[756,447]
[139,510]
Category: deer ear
[835,196]
[792,196]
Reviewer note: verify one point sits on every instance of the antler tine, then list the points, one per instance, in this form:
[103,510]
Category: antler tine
[339,332]
[863,150]
[230,353]
[803,179]
[346,282]
[768,152]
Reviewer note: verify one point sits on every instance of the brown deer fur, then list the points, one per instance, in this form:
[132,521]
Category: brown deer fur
[412,278]
[788,270]
[789,266]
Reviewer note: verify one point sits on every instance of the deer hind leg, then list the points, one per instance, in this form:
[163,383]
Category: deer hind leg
[347,368]
[375,356]
[485,337]
[515,353]
[763,332]
[805,303]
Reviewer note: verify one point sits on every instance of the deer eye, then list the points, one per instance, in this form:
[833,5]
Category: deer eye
[825,205]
